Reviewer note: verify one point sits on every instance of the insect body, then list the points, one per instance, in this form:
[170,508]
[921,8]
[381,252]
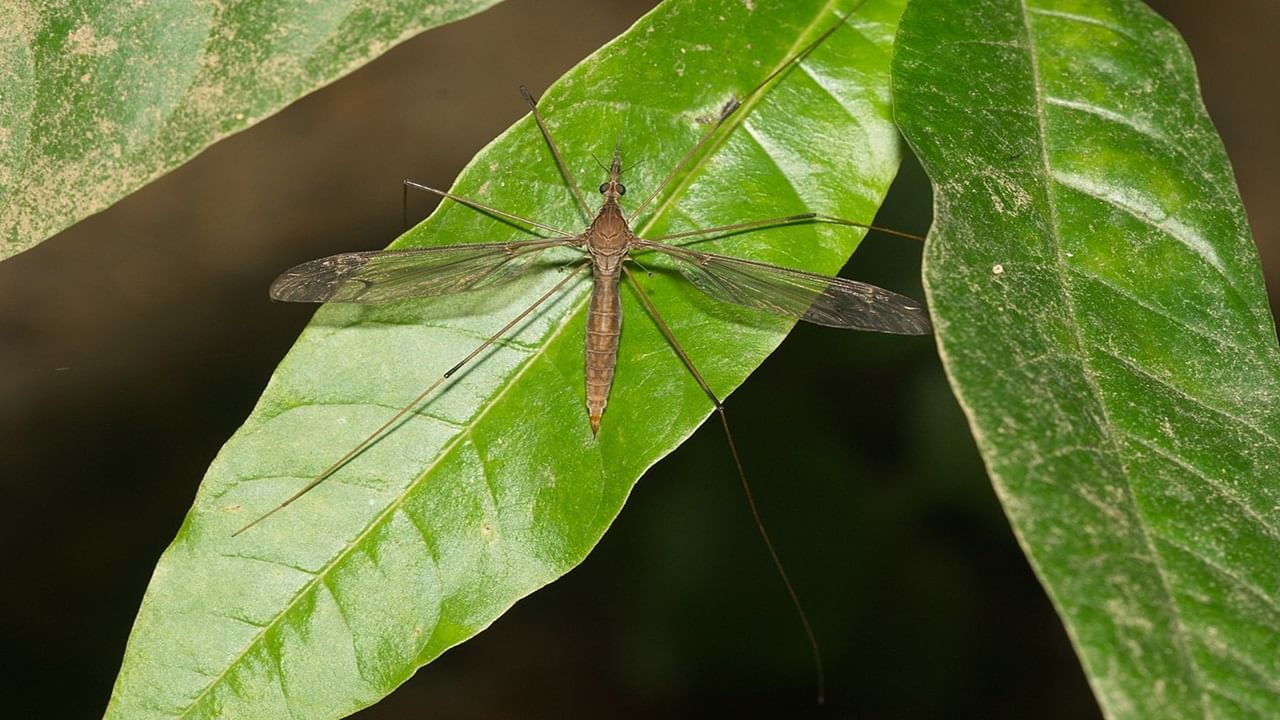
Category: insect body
[607,243]
[608,246]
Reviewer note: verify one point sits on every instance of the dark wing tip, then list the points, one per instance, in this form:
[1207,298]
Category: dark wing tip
[902,315]
[922,326]
[318,280]
[860,306]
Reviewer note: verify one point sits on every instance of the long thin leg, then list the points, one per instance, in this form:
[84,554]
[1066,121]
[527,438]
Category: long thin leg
[555,151]
[732,106]
[379,433]
[784,220]
[742,476]
[479,206]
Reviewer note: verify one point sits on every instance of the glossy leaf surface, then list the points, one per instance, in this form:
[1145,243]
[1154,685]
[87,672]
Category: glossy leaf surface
[99,97]
[496,486]
[1101,315]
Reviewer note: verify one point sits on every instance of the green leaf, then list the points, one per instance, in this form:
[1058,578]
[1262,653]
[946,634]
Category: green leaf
[1101,315]
[496,486]
[99,97]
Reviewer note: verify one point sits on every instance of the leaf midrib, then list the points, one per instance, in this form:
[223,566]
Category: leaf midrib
[738,117]
[462,433]
[1089,374]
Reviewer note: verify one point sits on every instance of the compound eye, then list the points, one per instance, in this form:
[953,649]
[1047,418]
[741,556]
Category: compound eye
[603,188]
[622,189]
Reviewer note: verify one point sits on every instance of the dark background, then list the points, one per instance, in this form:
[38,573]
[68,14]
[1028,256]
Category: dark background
[133,344]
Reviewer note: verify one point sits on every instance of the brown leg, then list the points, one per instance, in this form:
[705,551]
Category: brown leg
[742,475]
[378,434]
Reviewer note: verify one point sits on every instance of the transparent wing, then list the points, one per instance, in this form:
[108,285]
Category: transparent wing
[830,301]
[384,275]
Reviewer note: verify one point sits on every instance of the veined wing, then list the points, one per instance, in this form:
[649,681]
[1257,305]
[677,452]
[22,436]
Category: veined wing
[830,301]
[379,276]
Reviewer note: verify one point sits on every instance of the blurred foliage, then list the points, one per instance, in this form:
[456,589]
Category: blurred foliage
[101,97]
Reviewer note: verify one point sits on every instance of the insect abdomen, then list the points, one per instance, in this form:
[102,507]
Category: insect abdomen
[604,325]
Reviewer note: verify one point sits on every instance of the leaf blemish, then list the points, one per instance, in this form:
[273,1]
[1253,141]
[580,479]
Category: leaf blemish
[83,41]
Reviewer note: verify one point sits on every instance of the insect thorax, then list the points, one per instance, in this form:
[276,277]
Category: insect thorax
[609,237]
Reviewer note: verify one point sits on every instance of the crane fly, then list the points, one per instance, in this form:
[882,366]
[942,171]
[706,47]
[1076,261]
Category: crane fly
[607,247]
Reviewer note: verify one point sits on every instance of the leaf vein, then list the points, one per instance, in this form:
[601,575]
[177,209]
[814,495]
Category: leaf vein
[1115,117]
[1082,19]
[1235,578]
[395,504]
[1136,299]
[327,584]
[1171,227]
[1134,368]
[1089,374]
[309,404]
[271,561]
[660,210]
[1223,488]
[463,332]
[1240,702]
